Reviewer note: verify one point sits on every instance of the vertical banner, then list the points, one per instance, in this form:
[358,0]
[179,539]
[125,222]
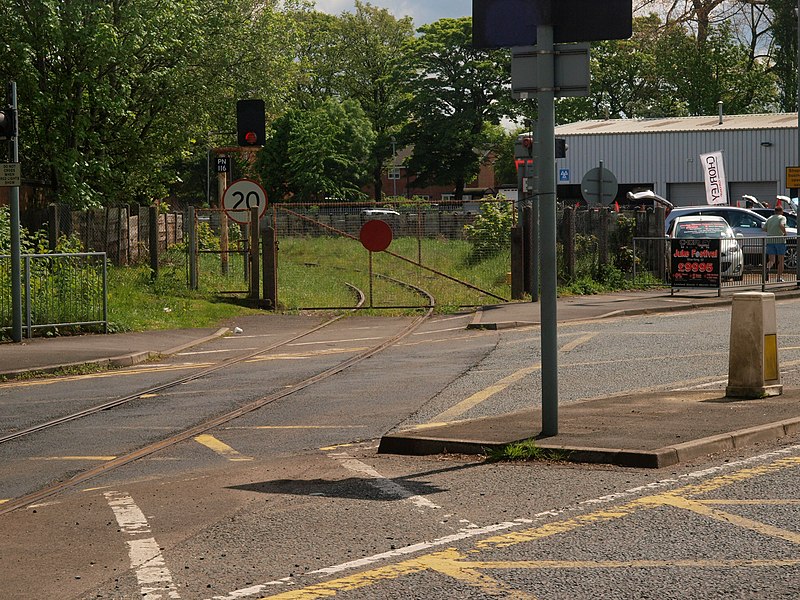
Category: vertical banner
[714,172]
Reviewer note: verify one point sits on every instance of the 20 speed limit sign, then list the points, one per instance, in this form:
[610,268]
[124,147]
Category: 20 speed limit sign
[241,196]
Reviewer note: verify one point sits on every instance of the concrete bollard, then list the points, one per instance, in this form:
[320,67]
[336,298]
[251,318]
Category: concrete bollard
[753,361]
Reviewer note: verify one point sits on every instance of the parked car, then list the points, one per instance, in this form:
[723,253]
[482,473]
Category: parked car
[379,212]
[710,227]
[791,218]
[743,221]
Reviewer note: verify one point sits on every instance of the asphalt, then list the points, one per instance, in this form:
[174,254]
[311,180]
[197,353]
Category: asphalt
[652,430]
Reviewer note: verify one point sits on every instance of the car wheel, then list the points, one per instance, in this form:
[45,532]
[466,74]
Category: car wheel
[790,259]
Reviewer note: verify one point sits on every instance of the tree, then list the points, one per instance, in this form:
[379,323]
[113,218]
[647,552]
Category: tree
[372,42]
[453,92]
[113,95]
[318,153]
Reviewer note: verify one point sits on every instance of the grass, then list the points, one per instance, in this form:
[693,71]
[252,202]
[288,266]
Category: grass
[526,450]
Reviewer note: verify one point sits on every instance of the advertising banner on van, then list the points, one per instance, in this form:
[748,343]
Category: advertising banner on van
[695,263]
[714,172]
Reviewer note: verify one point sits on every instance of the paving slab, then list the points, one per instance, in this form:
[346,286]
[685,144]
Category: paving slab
[651,430]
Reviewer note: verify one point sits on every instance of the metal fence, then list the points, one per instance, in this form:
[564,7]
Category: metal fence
[58,291]
[744,263]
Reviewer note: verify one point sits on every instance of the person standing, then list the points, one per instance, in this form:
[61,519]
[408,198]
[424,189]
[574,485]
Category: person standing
[776,248]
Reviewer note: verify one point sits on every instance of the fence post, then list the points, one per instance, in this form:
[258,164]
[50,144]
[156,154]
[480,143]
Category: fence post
[191,249]
[254,268]
[153,241]
[52,227]
[517,264]
[223,241]
[269,253]
[569,241]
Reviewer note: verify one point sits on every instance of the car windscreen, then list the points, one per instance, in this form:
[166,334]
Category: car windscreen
[702,230]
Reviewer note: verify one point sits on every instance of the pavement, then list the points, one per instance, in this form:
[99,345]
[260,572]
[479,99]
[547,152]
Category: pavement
[652,430]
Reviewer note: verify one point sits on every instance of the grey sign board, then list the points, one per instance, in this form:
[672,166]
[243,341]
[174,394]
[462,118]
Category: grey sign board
[599,187]
[10,175]
[571,70]
[508,23]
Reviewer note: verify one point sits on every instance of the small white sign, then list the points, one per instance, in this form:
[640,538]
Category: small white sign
[10,175]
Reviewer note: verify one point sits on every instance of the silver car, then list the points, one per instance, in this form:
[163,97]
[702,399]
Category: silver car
[744,222]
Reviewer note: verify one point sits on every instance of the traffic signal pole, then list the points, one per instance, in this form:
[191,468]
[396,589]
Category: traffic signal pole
[16,255]
[546,165]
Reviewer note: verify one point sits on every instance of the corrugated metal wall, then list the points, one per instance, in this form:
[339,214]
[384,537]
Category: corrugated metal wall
[674,157]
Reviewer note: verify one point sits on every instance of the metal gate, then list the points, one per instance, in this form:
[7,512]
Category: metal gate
[323,264]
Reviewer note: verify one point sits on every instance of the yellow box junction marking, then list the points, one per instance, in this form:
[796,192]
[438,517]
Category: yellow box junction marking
[454,564]
[221,448]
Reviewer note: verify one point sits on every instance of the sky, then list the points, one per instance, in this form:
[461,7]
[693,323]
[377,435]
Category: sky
[422,11]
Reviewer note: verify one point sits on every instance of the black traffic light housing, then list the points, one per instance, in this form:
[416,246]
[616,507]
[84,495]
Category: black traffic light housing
[561,148]
[250,126]
[8,123]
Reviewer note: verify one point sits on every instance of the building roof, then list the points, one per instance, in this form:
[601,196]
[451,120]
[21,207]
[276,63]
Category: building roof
[704,123]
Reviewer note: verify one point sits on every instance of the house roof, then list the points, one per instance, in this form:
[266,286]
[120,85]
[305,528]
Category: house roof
[704,123]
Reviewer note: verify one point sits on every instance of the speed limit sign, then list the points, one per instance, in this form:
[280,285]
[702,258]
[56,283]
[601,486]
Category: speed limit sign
[241,196]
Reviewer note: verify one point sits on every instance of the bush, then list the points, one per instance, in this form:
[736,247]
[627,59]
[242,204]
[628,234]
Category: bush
[490,234]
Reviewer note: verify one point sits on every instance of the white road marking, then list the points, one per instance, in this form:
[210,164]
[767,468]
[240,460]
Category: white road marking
[468,533]
[387,486]
[153,576]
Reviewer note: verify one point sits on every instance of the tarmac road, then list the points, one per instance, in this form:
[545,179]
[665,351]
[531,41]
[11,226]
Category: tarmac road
[316,510]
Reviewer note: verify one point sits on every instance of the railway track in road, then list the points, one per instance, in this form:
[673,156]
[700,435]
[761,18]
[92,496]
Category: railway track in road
[37,496]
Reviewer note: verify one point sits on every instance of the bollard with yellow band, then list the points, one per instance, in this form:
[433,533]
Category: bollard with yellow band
[753,370]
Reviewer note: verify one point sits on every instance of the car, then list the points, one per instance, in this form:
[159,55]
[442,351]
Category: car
[379,212]
[710,227]
[743,221]
[791,218]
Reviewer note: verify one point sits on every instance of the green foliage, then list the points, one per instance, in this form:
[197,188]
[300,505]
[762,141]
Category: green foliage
[318,153]
[490,233]
[525,450]
[453,92]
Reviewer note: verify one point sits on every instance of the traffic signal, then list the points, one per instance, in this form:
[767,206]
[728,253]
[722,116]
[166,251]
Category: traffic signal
[250,127]
[8,123]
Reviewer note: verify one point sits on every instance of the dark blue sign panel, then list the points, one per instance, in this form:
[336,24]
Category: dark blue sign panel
[507,23]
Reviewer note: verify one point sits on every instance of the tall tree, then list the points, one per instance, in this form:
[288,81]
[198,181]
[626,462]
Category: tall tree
[317,153]
[454,91]
[372,42]
[114,94]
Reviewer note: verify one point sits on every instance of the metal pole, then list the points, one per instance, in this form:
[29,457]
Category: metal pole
[547,214]
[16,253]
[797,161]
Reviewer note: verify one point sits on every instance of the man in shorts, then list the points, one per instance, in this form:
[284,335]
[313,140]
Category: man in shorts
[776,245]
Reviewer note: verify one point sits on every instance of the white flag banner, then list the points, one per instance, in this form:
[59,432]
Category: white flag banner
[714,171]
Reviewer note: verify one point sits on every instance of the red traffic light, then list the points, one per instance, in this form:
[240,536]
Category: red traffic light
[250,137]
[527,142]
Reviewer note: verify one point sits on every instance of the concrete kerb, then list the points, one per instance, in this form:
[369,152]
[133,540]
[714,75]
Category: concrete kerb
[646,459]
[123,360]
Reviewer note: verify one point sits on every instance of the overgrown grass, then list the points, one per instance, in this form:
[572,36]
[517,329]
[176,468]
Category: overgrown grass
[135,303]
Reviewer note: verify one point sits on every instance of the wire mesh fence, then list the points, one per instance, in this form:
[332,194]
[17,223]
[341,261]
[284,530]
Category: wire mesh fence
[458,252]
[64,291]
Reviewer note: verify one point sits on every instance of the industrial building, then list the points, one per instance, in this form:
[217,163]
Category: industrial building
[663,155]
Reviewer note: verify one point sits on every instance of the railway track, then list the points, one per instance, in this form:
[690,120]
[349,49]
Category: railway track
[186,434]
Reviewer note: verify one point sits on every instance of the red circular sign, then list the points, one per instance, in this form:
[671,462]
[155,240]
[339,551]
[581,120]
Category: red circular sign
[375,235]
